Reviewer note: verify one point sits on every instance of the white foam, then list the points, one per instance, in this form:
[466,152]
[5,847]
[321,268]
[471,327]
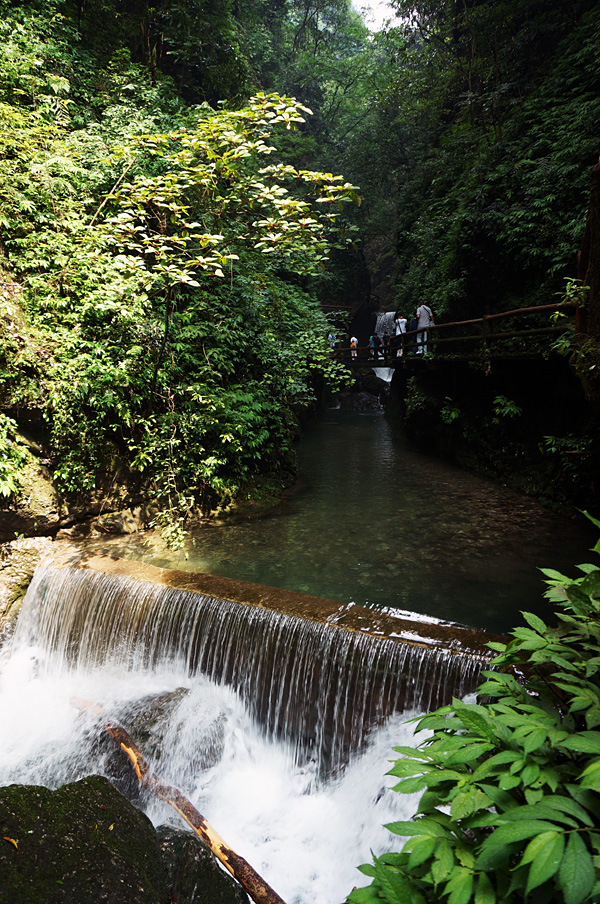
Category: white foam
[305,837]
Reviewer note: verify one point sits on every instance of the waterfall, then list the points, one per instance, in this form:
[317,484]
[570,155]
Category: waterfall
[386,323]
[279,728]
[320,687]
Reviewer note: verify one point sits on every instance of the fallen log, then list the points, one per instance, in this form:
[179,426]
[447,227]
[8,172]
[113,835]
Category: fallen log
[240,869]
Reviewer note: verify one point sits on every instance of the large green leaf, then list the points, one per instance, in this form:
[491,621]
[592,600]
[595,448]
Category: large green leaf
[544,853]
[494,847]
[577,874]
[584,742]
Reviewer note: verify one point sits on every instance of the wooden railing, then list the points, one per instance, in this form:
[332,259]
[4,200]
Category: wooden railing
[493,335]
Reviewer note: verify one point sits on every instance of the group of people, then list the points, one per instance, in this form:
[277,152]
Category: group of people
[422,319]
[382,345]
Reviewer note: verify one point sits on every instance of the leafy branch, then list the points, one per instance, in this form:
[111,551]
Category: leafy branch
[509,808]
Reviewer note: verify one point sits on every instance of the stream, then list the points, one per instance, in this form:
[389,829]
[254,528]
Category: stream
[371,521]
[374,522]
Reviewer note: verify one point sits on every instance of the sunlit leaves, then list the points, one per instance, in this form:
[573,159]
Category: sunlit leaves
[210,191]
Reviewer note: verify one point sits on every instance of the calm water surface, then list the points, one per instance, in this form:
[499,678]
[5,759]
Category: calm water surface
[377,523]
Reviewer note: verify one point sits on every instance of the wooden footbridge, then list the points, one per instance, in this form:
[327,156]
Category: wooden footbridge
[523,333]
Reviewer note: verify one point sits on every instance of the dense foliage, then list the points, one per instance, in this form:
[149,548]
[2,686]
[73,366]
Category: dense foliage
[510,806]
[161,315]
[164,251]
[474,152]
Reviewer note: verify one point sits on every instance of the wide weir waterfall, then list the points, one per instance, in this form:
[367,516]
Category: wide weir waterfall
[278,726]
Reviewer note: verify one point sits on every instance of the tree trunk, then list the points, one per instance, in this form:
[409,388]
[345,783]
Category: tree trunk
[239,868]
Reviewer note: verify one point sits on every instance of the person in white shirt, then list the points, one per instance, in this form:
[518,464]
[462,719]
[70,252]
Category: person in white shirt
[424,319]
[401,324]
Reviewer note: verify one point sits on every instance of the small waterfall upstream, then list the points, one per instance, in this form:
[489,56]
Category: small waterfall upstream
[278,727]
[385,323]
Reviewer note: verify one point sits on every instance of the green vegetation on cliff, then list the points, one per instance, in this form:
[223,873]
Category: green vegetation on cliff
[474,151]
[166,254]
[160,314]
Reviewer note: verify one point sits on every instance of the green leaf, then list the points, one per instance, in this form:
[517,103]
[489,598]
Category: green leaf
[584,742]
[591,584]
[469,753]
[368,869]
[534,740]
[411,785]
[494,847]
[444,862]
[590,777]
[568,805]
[396,887]
[577,875]
[530,773]
[421,848]
[405,767]
[507,781]
[460,886]
[367,895]
[476,718]
[536,623]
[555,575]
[422,826]
[545,853]
[468,802]
[484,892]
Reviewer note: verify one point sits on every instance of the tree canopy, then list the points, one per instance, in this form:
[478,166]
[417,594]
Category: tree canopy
[172,228]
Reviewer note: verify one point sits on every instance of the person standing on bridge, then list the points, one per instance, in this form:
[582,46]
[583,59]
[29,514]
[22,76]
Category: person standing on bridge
[353,346]
[424,319]
[401,324]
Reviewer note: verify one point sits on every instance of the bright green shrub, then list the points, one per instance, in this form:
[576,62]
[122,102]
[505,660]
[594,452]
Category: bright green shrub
[12,458]
[510,810]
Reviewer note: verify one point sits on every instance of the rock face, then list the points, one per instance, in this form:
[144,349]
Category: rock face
[83,842]
[359,401]
[86,843]
[115,506]
[193,875]
[18,560]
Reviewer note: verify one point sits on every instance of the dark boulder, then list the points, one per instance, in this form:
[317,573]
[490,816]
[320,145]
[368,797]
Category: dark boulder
[83,842]
[359,401]
[193,874]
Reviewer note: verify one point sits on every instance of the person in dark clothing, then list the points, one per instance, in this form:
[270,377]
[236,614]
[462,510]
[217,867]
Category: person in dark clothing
[386,344]
[414,325]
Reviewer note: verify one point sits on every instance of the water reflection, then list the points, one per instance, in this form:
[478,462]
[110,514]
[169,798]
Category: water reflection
[377,523]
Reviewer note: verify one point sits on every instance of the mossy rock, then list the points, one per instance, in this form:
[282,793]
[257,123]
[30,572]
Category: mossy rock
[83,842]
